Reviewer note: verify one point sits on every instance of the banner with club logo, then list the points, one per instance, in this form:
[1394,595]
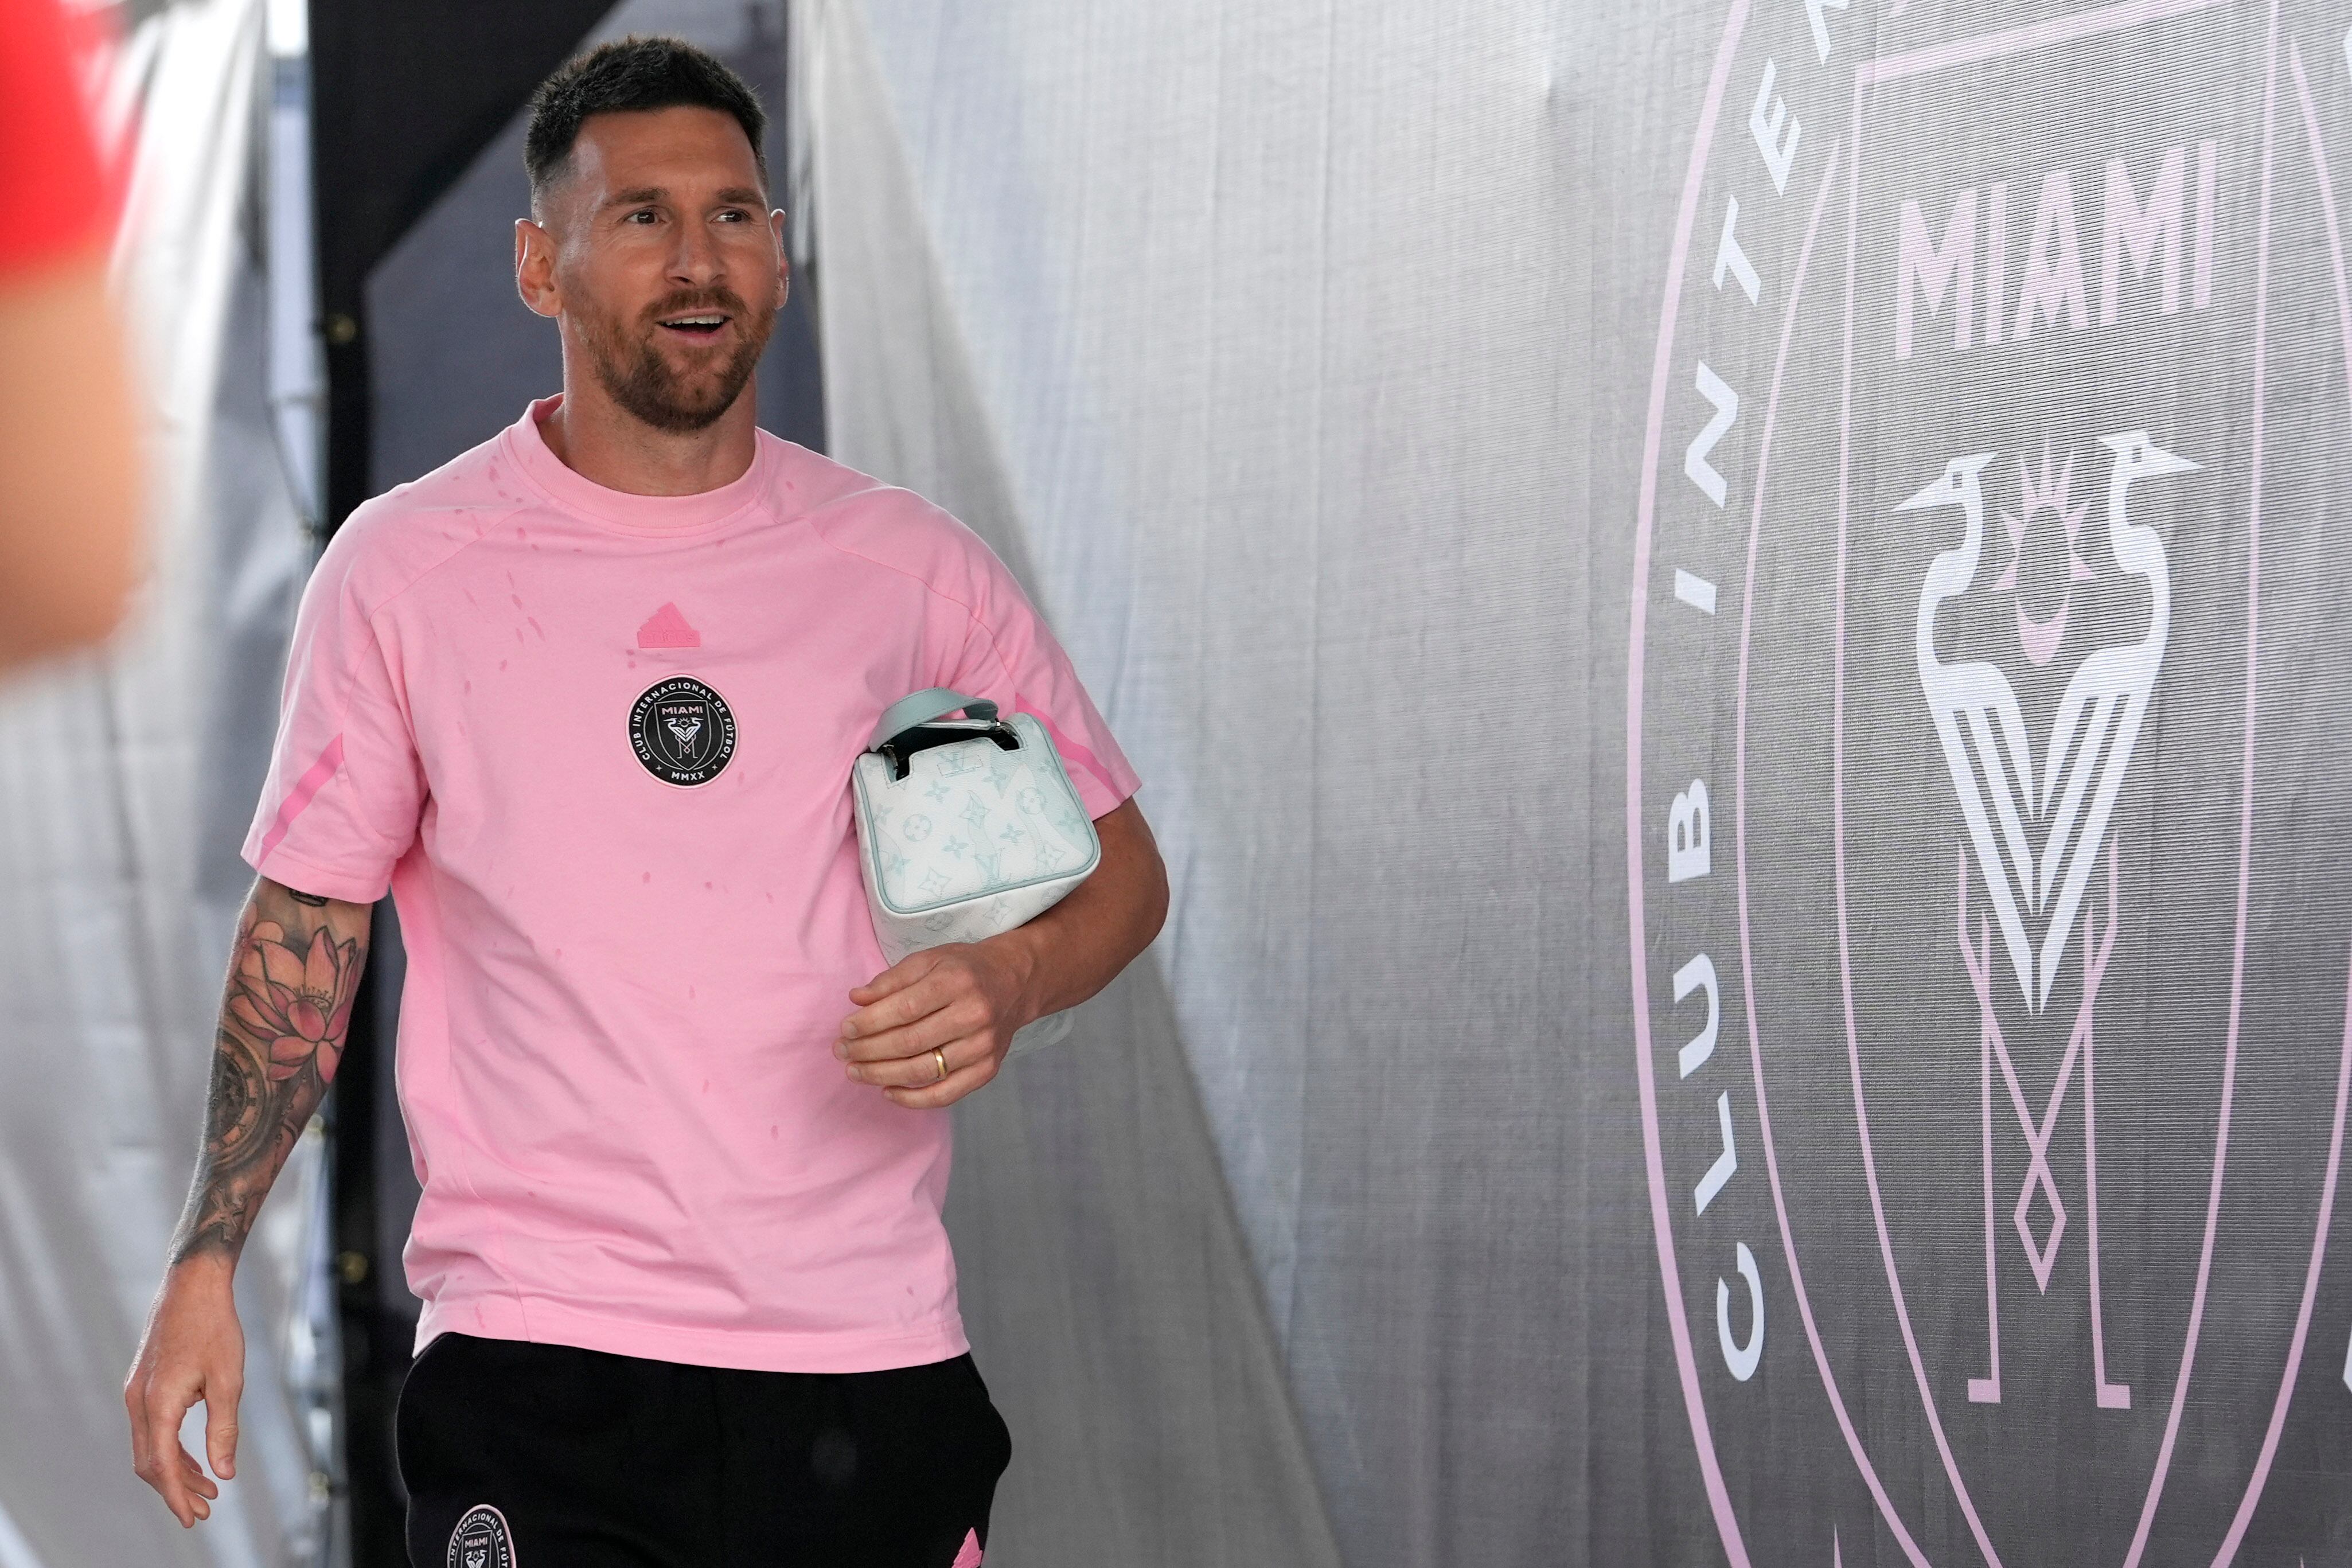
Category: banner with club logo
[1733,613]
[1986,682]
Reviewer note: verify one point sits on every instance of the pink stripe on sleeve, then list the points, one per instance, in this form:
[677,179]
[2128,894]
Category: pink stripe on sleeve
[306,789]
[1070,748]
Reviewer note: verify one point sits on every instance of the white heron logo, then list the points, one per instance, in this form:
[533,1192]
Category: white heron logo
[2004,796]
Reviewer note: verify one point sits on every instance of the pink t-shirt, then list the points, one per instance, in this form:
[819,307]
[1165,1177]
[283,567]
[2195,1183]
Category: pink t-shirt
[598,747]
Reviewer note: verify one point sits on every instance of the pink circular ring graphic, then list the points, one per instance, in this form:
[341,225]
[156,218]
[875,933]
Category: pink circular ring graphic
[1711,1466]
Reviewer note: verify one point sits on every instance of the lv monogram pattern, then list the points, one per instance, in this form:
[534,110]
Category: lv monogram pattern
[974,841]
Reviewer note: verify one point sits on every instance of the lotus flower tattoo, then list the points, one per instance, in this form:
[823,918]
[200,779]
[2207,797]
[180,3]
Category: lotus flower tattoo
[296,1001]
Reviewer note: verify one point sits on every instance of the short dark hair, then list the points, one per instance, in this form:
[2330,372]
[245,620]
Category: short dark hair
[632,74]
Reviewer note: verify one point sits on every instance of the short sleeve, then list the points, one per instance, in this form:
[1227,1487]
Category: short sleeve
[345,788]
[1010,658]
[57,198]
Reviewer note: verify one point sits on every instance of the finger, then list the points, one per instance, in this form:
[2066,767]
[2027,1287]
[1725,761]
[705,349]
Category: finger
[135,1405]
[865,1034]
[198,1482]
[200,1490]
[166,1463]
[898,977]
[947,1091]
[954,1022]
[904,1006]
[222,1392]
[921,1070]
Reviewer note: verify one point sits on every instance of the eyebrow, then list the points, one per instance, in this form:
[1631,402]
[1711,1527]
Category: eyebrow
[737,194]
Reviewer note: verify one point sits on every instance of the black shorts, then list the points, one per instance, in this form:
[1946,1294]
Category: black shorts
[536,1455]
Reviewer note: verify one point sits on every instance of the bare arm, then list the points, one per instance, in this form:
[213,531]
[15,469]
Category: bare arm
[69,445]
[966,999]
[283,1022]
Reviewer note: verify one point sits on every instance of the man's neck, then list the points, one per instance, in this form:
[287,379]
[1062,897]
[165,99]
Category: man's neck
[601,442]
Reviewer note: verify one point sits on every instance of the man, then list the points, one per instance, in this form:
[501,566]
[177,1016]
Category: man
[687,1297]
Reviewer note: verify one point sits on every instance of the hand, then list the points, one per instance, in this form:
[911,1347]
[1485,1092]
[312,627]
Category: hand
[963,1000]
[193,1349]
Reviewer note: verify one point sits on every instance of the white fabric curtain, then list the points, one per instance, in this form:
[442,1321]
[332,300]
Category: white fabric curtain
[1240,329]
[1312,360]
[125,777]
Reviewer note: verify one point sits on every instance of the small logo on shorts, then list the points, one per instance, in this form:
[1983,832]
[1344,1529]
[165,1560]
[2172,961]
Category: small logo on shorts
[481,1540]
[682,731]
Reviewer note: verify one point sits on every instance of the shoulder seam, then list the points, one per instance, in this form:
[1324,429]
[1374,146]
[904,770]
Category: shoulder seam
[375,636]
[386,601]
[924,583]
[977,619]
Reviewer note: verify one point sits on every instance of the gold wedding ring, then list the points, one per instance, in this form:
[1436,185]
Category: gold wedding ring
[939,1057]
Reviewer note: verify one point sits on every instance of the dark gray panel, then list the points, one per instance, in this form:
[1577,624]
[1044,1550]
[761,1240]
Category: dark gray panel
[1324,381]
[1157,1439]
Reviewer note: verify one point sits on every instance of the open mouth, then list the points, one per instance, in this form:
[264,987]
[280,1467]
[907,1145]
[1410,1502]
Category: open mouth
[699,327]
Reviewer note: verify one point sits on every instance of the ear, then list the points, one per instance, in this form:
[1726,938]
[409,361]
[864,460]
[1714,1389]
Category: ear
[777,226]
[535,269]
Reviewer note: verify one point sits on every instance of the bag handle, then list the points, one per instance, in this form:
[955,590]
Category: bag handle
[922,707]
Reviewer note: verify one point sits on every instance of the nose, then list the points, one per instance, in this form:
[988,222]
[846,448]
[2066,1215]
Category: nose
[694,259]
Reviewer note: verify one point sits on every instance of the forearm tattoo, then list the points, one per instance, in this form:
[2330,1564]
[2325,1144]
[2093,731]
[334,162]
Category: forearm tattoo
[288,1011]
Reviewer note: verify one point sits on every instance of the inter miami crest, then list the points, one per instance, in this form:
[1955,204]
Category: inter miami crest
[682,731]
[481,1540]
[1985,671]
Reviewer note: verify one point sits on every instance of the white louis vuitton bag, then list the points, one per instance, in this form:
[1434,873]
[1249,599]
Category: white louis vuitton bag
[966,827]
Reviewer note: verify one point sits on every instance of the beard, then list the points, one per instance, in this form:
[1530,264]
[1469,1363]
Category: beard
[636,374]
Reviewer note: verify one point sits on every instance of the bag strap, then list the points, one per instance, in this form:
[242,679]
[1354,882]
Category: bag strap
[922,707]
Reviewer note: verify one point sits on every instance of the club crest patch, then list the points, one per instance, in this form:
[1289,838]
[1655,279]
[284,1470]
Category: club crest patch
[682,731]
[1992,1060]
[481,1540]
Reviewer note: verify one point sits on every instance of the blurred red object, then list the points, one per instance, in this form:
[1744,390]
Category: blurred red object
[61,202]
[70,442]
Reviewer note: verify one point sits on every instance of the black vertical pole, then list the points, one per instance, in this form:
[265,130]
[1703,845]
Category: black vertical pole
[404,97]
[375,1347]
